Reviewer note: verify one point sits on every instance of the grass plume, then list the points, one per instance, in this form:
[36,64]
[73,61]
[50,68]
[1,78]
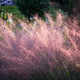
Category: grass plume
[40,51]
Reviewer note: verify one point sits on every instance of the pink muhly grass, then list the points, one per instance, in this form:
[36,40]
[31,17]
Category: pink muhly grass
[43,48]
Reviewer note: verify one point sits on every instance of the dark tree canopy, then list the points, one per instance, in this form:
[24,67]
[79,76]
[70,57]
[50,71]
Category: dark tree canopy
[32,7]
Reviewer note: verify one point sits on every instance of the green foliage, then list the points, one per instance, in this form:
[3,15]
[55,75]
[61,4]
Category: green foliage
[10,9]
[32,7]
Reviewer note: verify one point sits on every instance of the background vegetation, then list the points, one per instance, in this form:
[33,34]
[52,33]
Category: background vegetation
[32,7]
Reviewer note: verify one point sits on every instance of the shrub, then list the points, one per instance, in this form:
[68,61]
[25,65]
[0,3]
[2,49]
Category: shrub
[32,7]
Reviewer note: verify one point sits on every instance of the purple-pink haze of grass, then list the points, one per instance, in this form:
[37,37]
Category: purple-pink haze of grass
[42,47]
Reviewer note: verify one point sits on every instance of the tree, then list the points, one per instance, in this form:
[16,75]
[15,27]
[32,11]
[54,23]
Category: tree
[32,7]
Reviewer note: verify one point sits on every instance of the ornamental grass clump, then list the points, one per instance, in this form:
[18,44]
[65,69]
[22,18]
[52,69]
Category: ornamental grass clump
[40,52]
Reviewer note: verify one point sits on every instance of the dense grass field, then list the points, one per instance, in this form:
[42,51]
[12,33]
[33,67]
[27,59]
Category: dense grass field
[40,49]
